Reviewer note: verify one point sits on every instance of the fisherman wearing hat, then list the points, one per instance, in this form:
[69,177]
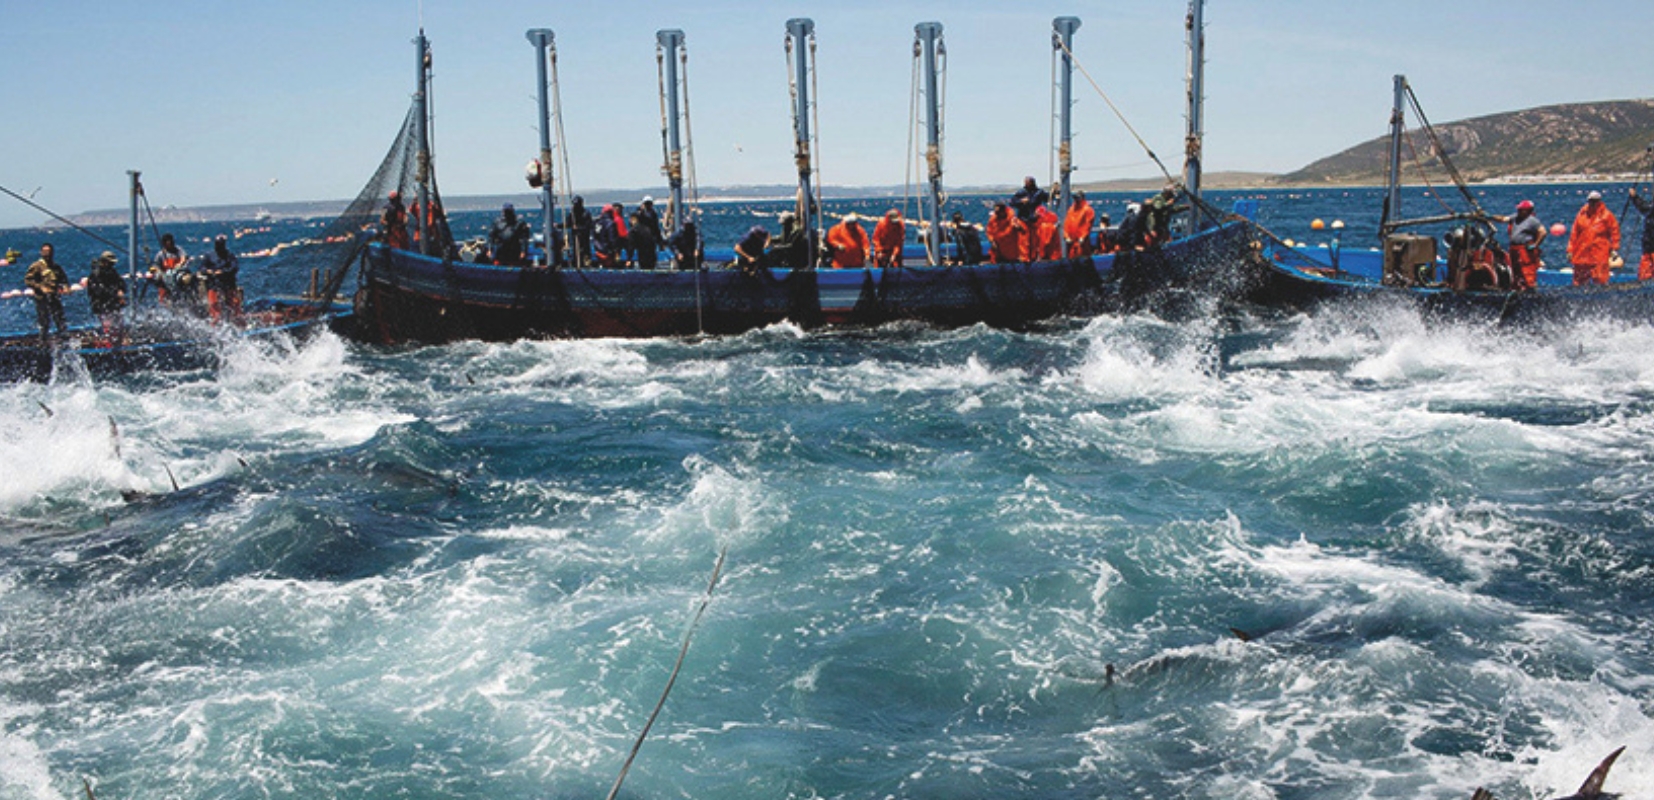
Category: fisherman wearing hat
[790,250]
[106,291]
[1594,241]
[1526,233]
[1645,268]
[649,220]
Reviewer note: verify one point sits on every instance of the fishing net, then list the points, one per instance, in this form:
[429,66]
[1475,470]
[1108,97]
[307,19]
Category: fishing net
[327,258]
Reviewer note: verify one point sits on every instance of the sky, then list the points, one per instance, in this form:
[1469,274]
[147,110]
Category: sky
[268,101]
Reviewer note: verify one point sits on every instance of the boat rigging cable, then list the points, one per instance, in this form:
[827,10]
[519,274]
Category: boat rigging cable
[1116,109]
[694,209]
[1441,151]
[48,212]
[562,142]
[717,570]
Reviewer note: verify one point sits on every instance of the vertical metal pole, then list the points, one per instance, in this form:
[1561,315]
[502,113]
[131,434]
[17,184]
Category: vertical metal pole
[670,41]
[1196,24]
[800,31]
[930,35]
[1063,40]
[132,229]
[422,133]
[1392,200]
[543,40]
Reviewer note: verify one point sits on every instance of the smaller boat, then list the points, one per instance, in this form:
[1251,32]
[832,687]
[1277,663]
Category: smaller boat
[1472,281]
[162,341]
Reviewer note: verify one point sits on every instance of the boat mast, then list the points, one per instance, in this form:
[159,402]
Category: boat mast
[1196,25]
[800,31]
[422,134]
[670,41]
[1392,200]
[544,42]
[930,40]
[1062,38]
[137,189]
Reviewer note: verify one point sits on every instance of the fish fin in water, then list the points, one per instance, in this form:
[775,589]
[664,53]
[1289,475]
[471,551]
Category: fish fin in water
[1592,787]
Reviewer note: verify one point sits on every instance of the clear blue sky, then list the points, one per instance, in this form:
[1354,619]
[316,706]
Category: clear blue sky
[213,100]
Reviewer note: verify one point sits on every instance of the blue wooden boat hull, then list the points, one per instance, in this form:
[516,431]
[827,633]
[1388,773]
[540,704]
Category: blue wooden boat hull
[1275,281]
[160,345]
[409,297]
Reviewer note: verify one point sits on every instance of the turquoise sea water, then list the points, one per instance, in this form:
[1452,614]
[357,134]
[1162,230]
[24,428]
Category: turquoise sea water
[466,571]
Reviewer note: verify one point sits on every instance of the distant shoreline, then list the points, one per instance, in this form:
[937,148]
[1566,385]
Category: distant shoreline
[1218,181]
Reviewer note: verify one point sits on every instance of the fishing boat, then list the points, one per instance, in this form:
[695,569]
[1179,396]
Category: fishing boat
[158,337]
[1471,281]
[419,290]
[162,342]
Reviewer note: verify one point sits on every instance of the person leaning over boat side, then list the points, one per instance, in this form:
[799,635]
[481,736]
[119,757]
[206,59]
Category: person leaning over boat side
[1645,267]
[967,241]
[1043,244]
[509,237]
[1076,228]
[1594,241]
[395,222]
[888,237]
[1006,234]
[686,246]
[847,243]
[1525,233]
[106,292]
[1156,217]
[790,250]
[581,227]
[47,281]
[219,270]
[749,252]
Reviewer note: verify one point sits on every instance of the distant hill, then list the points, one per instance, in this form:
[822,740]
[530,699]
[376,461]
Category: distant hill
[1555,142]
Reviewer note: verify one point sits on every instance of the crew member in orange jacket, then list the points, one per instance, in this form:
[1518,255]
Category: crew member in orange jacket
[1594,241]
[1044,244]
[847,241]
[1076,229]
[888,237]
[1005,236]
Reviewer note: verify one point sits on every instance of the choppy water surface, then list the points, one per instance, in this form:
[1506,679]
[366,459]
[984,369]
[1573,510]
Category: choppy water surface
[465,571]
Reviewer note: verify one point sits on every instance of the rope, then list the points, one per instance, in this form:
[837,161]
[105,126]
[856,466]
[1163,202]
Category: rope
[1418,164]
[1051,135]
[689,139]
[42,209]
[815,130]
[1116,110]
[912,126]
[1441,151]
[562,143]
[717,570]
